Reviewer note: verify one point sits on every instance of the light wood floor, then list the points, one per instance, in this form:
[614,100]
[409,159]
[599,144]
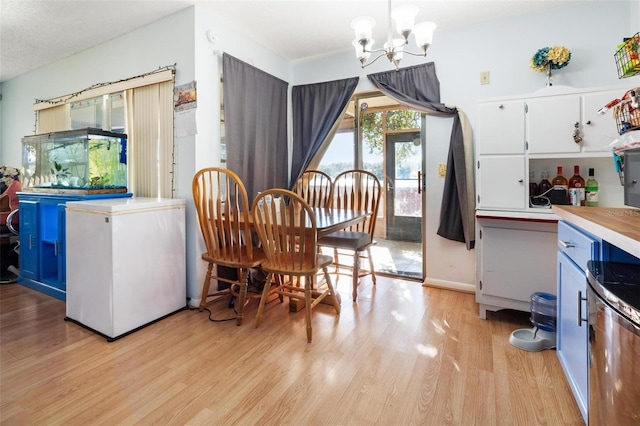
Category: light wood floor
[404,354]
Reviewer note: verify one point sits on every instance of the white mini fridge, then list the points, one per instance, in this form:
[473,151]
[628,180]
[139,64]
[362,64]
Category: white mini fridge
[126,265]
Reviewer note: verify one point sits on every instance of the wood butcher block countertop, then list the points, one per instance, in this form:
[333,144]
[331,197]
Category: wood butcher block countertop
[618,226]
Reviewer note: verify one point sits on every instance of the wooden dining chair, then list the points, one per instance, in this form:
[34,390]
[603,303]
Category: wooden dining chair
[314,186]
[286,227]
[223,214]
[355,190]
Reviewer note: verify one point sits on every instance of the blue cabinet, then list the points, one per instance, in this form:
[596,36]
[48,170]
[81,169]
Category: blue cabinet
[28,238]
[42,239]
[575,249]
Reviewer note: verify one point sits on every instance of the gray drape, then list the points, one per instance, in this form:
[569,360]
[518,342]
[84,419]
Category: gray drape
[255,119]
[316,108]
[418,88]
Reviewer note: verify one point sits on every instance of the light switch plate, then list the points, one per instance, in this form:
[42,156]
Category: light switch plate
[442,170]
[484,77]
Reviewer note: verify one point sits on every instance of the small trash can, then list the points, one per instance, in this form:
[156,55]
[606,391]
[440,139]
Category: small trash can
[543,309]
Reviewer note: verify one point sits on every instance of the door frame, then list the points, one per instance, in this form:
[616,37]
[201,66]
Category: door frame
[358,147]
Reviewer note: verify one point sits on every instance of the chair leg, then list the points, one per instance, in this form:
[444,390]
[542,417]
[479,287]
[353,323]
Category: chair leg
[205,287]
[373,271]
[356,273]
[334,296]
[307,301]
[279,283]
[242,298]
[263,298]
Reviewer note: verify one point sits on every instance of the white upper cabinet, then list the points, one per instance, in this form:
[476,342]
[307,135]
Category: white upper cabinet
[569,124]
[501,127]
[551,124]
[501,182]
[598,130]
[517,135]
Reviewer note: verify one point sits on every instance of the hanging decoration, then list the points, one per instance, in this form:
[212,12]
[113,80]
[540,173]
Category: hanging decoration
[76,94]
[550,58]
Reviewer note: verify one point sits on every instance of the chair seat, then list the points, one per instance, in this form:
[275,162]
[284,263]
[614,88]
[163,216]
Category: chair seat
[305,268]
[244,262]
[346,240]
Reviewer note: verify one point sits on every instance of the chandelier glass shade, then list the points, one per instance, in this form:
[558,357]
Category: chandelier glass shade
[394,48]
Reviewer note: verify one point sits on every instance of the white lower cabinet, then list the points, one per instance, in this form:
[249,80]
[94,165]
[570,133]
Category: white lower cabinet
[508,251]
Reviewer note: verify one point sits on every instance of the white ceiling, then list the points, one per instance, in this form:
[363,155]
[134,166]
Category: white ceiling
[34,33]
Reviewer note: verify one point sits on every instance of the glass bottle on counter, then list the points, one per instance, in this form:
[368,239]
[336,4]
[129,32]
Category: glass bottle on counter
[591,190]
[576,188]
[560,183]
[544,184]
[533,186]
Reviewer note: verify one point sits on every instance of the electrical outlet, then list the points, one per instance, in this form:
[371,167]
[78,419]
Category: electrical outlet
[442,170]
[484,77]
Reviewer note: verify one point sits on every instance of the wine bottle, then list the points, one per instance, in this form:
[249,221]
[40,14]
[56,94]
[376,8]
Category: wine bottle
[576,188]
[533,186]
[544,184]
[591,190]
[560,183]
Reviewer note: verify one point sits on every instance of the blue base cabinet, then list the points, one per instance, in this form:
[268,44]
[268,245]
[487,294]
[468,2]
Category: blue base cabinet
[575,249]
[42,239]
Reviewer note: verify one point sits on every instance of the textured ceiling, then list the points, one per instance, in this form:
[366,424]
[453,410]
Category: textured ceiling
[34,33]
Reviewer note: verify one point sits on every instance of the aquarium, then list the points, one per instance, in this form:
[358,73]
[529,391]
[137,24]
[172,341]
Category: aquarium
[84,160]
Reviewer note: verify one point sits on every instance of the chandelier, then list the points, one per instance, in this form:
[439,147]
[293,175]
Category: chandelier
[404,17]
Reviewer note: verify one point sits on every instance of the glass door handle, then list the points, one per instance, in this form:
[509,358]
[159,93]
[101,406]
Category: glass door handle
[419,182]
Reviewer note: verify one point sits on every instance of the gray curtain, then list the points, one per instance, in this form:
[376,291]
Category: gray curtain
[255,119]
[418,88]
[316,108]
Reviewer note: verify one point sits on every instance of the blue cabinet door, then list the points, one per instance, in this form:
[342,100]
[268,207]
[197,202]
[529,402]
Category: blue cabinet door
[62,247]
[572,334]
[29,238]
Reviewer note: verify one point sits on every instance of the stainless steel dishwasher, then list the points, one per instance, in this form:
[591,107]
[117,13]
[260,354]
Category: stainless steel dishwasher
[613,303]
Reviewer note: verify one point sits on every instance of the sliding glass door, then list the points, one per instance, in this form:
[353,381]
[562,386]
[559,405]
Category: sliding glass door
[378,135]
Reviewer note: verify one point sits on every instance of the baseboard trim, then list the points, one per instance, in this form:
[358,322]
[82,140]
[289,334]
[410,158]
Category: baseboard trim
[449,285]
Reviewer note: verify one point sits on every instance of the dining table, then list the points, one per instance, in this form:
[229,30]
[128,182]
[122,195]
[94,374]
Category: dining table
[329,220]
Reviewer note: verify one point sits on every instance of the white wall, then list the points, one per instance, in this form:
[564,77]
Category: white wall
[178,39]
[205,152]
[591,31]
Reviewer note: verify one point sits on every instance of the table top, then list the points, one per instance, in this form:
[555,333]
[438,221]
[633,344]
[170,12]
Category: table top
[331,220]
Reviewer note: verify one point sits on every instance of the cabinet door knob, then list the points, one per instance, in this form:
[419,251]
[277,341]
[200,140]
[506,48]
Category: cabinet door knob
[520,180]
[501,106]
[588,122]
